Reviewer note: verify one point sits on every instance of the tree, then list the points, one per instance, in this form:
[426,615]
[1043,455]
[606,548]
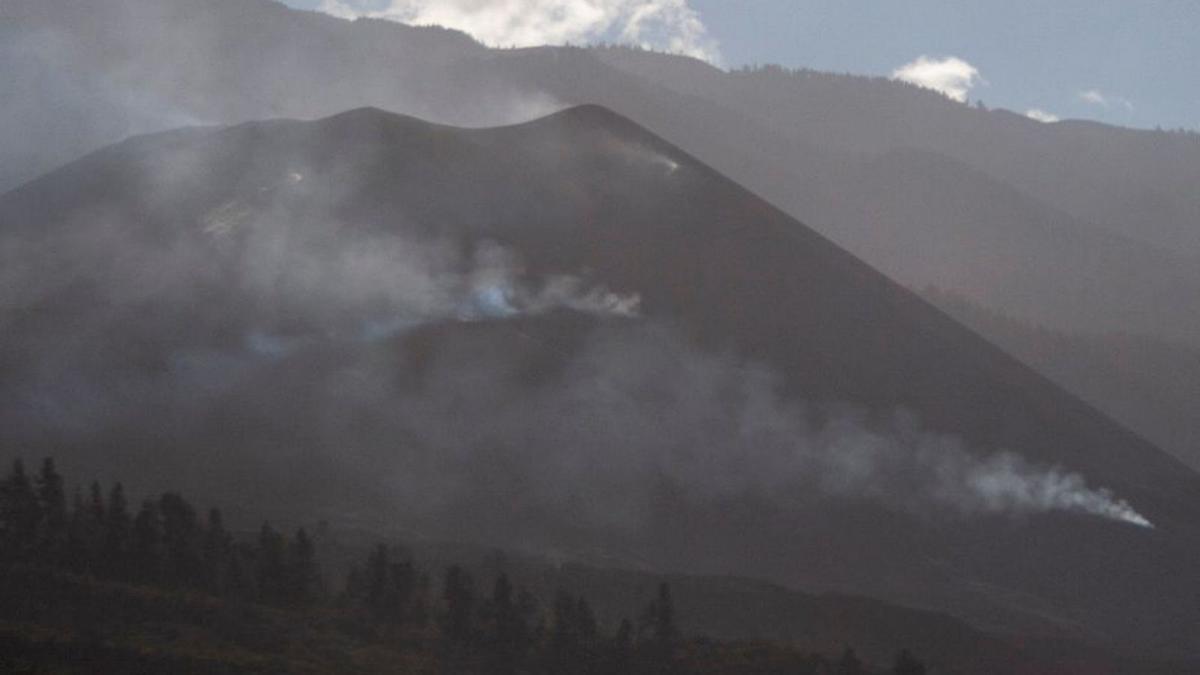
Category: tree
[53,500]
[375,580]
[96,504]
[508,634]
[907,664]
[19,513]
[621,649]
[115,546]
[659,620]
[240,577]
[146,545]
[216,552]
[849,664]
[271,569]
[458,594]
[303,576]
[585,621]
[388,588]
[79,548]
[664,616]
[180,537]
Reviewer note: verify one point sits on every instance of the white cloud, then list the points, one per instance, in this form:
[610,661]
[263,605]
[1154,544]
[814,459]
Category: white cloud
[950,75]
[1041,115]
[658,24]
[1097,97]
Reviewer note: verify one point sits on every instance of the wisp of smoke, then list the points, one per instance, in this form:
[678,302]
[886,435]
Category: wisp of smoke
[637,404]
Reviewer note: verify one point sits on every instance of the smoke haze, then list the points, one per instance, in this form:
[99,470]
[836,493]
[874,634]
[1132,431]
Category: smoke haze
[636,405]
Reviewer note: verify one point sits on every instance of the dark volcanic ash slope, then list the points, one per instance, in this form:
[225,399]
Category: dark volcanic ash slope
[566,334]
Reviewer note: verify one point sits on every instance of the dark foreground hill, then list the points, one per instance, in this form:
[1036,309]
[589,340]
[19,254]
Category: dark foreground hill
[566,336]
[96,584]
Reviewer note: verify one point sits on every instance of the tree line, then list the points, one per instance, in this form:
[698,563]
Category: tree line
[164,542]
[503,629]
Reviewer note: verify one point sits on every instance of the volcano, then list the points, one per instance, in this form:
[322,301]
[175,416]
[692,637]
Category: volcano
[279,310]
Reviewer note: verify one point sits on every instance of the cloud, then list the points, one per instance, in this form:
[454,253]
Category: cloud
[1041,115]
[1097,97]
[950,75]
[670,25]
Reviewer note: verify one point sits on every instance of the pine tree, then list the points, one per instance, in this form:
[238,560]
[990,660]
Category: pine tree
[53,500]
[566,641]
[355,589]
[20,514]
[458,594]
[620,659]
[146,545]
[420,601]
[240,579]
[376,579]
[217,550]
[271,568]
[659,620]
[849,664]
[96,504]
[79,551]
[181,541]
[114,549]
[303,576]
[585,621]
[907,664]
[664,618]
[507,634]
[404,578]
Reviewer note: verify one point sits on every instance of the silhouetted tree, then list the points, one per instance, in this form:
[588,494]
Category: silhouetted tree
[181,541]
[573,635]
[96,505]
[620,657]
[114,549]
[458,594]
[146,546]
[420,602]
[389,588]
[508,634]
[216,551]
[907,664]
[271,570]
[53,500]
[375,582]
[79,551]
[240,580]
[303,576]
[20,513]
[659,620]
[849,664]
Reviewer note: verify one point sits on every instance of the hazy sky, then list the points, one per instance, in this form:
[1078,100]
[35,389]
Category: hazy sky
[1121,61]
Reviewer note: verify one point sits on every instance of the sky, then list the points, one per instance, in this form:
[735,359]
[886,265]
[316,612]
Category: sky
[1125,62]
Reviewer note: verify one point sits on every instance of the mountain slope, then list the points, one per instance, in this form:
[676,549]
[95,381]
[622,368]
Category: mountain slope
[563,335]
[1147,384]
[1137,183]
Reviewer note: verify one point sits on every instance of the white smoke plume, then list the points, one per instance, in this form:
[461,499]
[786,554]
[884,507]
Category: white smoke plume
[637,405]
[670,25]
